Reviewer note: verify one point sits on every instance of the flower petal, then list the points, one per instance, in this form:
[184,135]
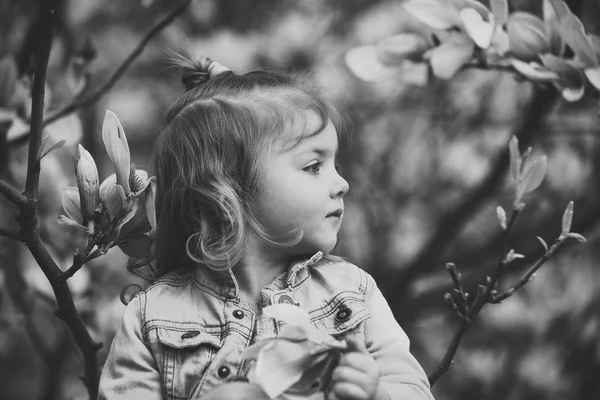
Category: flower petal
[87,182]
[364,63]
[438,14]
[479,30]
[451,55]
[150,205]
[117,148]
[533,70]
[71,204]
[593,75]
[393,50]
[112,196]
[68,221]
[289,314]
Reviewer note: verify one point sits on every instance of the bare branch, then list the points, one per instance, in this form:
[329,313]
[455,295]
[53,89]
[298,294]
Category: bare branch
[12,234]
[528,277]
[92,98]
[448,359]
[12,194]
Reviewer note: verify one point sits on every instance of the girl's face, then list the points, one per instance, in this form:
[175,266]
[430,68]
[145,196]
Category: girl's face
[302,188]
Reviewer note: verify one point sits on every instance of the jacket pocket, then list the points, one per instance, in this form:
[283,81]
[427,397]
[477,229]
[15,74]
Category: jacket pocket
[183,356]
[341,313]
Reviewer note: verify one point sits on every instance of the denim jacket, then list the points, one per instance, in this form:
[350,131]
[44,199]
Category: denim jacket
[184,335]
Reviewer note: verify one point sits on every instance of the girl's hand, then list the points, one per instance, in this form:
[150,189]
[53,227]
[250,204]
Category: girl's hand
[236,391]
[356,377]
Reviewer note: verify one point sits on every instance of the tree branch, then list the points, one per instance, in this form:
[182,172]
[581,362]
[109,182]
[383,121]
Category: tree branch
[452,223]
[49,15]
[12,234]
[12,194]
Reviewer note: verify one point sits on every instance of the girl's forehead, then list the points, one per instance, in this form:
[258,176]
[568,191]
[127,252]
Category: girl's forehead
[302,129]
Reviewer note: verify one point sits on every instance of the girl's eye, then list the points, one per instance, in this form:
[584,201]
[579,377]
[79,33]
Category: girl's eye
[314,168]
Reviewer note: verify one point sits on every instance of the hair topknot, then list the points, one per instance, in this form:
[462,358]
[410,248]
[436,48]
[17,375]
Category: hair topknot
[196,70]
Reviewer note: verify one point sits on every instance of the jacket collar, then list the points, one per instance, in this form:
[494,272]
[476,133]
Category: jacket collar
[223,284]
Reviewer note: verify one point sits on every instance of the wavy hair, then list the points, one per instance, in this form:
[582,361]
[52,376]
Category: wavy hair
[207,156]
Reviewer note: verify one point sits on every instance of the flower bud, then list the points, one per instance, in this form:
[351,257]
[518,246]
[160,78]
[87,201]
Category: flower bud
[87,183]
[527,36]
[117,148]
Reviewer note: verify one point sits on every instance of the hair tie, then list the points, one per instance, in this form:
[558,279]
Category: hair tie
[198,70]
[215,68]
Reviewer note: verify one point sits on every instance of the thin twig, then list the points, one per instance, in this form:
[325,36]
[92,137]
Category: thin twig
[448,359]
[529,274]
[120,71]
[12,234]
[12,194]
[452,222]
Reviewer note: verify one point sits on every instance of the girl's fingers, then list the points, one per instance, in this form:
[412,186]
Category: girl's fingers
[355,344]
[358,361]
[350,375]
[347,391]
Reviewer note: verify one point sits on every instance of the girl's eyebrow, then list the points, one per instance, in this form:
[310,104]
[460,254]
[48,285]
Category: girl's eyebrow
[321,151]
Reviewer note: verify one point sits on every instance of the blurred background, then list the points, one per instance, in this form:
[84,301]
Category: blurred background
[427,168]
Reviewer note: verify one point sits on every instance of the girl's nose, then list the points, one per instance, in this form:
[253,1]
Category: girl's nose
[340,186]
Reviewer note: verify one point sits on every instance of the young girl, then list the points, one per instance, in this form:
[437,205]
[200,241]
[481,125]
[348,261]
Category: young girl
[249,204]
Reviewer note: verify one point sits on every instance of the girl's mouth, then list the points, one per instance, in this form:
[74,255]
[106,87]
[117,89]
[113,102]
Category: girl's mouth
[337,213]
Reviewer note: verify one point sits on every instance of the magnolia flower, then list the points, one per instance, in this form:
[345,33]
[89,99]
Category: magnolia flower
[290,363]
[527,171]
[121,208]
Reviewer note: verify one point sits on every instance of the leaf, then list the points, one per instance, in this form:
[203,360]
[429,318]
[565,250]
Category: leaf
[117,148]
[393,50]
[55,146]
[480,31]
[451,55]
[533,173]
[567,219]
[533,71]
[526,35]
[577,237]
[515,158]
[573,33]
[434,13]
[499,10]
[543,242]
[501,214]
[364,63]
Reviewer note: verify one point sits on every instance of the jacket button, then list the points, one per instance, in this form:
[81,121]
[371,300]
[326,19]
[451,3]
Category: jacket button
[343,315]
[223,372]
[239,314]
[285,299]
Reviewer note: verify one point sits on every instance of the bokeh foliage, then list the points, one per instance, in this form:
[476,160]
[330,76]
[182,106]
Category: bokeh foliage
[415,155]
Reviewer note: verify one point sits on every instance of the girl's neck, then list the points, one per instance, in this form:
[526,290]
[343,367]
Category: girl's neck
[259,267]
